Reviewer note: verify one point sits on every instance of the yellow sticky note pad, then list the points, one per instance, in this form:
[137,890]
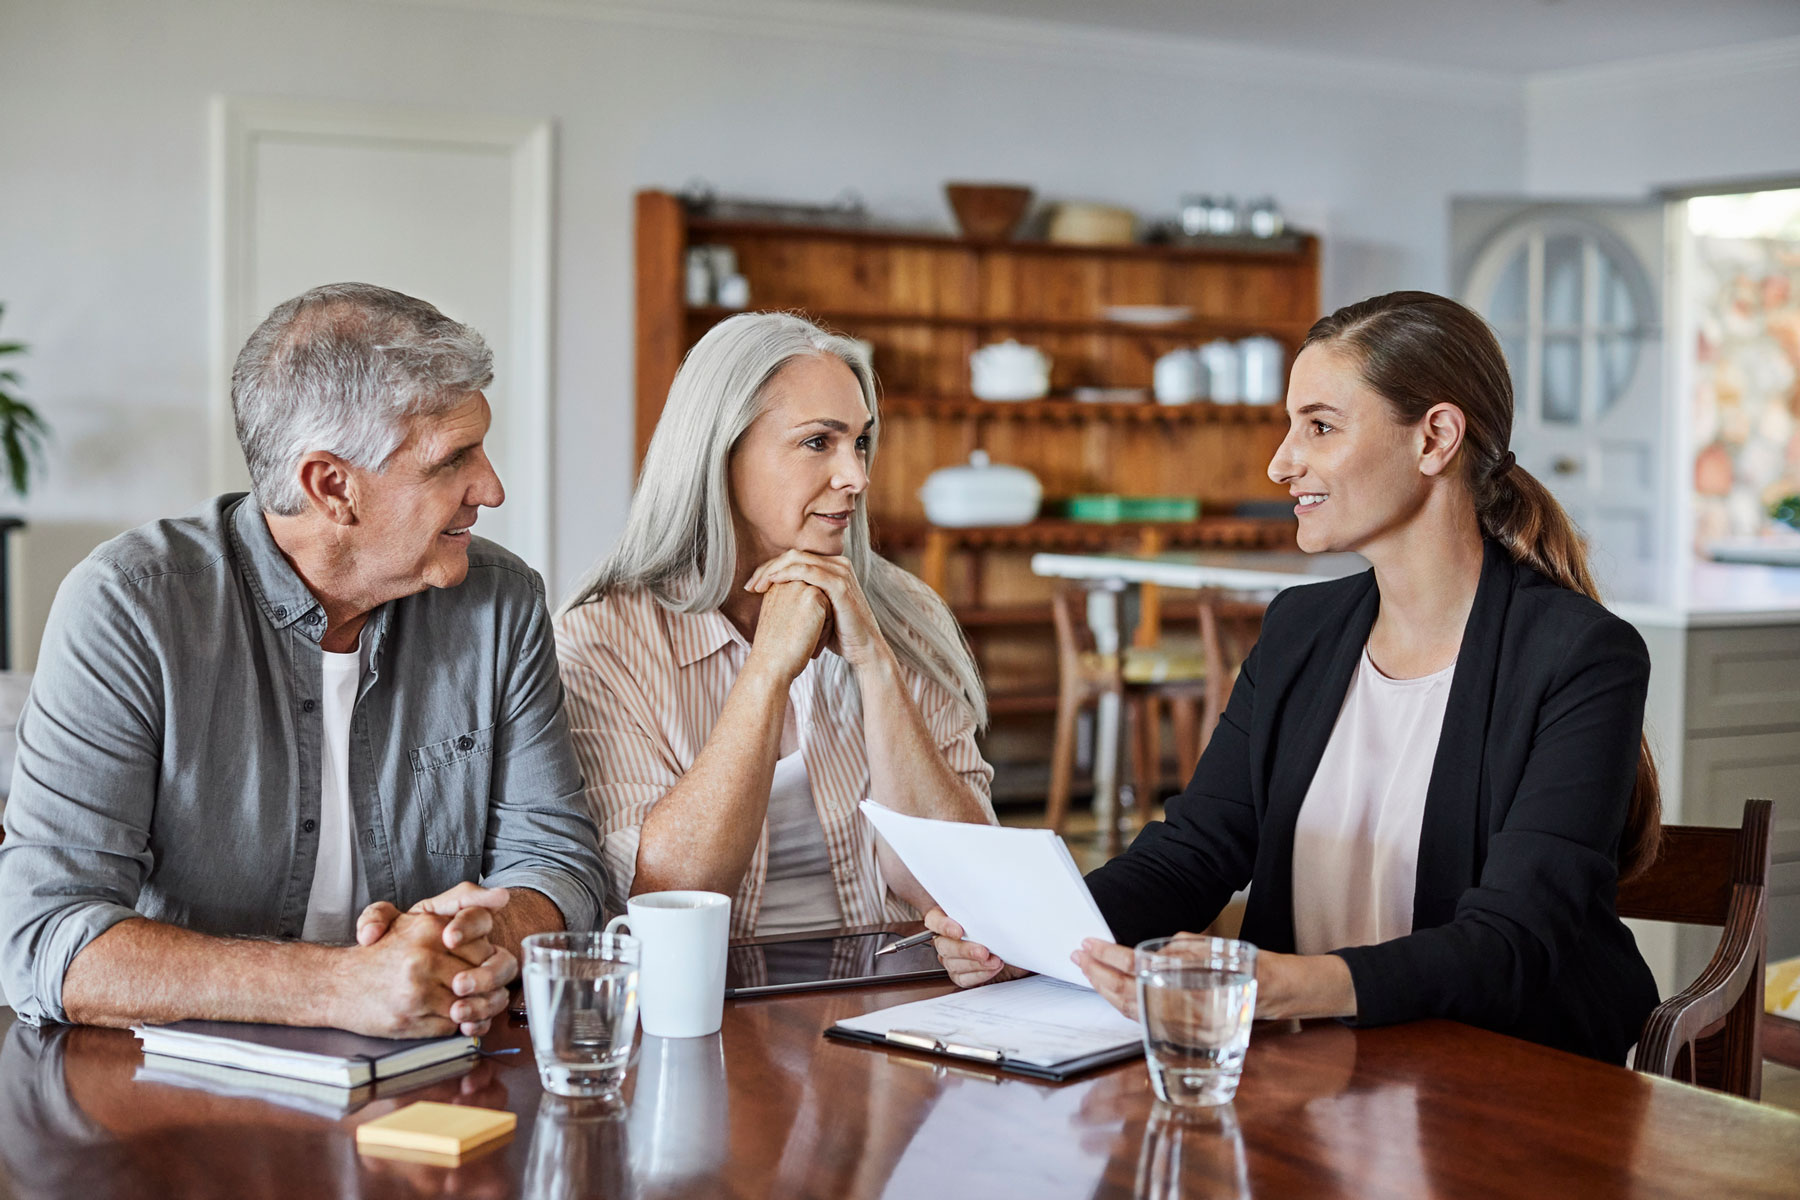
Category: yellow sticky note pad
[438,1129]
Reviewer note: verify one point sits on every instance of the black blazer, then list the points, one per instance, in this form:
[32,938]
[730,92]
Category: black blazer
[1514,920]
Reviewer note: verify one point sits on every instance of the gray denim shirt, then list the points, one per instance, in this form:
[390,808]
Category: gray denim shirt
[169,752]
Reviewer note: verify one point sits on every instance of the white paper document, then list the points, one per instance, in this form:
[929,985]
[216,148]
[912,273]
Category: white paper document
[1015,891]
[1039,1021]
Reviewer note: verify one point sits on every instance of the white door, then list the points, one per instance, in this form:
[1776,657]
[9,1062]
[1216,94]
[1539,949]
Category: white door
[451,209]
[1575,292]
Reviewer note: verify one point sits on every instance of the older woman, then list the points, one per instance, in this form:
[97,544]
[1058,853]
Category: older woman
[743,669]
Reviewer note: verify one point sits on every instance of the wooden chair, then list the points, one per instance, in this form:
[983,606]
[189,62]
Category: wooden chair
[1085,674]
[1709,1033]
[1228,628]
[1781,1040]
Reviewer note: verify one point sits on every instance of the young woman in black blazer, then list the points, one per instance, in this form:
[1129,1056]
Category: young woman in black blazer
[1541,793]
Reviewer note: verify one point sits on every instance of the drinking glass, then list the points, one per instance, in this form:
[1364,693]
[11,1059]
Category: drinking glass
[581,1004]
[1196,996]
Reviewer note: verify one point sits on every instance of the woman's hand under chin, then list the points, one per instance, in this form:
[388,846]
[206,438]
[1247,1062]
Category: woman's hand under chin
[793,624]
[857,636]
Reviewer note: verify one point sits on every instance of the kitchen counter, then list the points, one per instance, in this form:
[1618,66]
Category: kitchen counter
[1713,595]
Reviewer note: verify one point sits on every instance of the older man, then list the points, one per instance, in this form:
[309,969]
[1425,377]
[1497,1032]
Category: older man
[260,731]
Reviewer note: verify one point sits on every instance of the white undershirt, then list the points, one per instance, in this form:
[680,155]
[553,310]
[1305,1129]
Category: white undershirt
[798,892]
[1356,841]
[338,891]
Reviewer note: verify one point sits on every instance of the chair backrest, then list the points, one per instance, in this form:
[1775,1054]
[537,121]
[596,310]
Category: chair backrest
[1069,613]
[1709,1033]
[1229,626]
[1692,879]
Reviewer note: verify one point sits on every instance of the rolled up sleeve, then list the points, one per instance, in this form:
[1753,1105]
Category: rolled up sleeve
[951,724]
[77,848]
[540,835]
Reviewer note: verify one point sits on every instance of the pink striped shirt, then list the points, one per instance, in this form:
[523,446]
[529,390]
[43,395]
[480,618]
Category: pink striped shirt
[645,687]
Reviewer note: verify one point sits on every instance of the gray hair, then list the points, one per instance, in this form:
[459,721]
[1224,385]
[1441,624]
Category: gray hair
[680,544]
[343,368]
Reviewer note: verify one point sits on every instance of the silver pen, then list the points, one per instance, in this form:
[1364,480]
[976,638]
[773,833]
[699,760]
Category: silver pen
[906,943]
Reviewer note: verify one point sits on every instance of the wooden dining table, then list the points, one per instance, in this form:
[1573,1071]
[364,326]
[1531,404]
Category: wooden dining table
[770,1108]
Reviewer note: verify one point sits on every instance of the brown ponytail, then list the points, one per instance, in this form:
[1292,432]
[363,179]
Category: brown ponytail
[1417,350]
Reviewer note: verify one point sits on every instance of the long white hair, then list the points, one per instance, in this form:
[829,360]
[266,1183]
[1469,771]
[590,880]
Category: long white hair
[679,542]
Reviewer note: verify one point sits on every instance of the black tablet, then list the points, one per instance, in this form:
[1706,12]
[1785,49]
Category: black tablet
[808,961]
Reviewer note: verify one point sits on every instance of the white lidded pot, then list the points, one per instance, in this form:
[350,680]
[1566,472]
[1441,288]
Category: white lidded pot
[1178,378]
[1262,359]
[1224,372]
[1009,370]
[981,493]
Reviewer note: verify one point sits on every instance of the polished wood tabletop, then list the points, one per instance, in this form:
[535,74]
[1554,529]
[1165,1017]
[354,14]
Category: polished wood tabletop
[768,1107]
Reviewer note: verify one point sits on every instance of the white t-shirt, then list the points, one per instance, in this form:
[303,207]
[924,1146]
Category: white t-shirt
[1356,841]
[338,890]
[799,892]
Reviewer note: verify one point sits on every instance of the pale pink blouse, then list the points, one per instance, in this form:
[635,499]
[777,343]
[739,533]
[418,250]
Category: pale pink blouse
[645,687]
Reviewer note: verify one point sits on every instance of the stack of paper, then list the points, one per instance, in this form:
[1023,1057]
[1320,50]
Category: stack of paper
[1015,891]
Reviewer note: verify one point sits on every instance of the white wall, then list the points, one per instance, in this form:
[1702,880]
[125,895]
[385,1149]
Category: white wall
[1637,127]
[103,152]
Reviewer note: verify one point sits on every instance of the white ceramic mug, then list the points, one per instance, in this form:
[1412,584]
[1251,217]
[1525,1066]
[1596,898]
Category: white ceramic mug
[681,970]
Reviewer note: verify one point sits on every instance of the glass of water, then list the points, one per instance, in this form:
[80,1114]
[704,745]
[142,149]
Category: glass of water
[1196,997]
[581,1004]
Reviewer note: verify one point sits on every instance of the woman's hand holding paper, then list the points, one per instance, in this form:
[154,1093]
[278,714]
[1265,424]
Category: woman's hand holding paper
[1112,969]
[969,963]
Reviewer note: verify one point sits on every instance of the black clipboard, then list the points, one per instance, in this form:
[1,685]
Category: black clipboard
[925,1043]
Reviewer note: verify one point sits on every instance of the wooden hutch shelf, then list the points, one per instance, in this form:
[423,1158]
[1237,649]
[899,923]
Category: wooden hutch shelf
[1243,248]
[1065,409]
[1053,534]
[926,301]
[1173,332]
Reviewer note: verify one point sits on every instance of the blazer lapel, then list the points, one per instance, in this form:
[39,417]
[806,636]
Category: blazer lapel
[1449,844]
[1310,715]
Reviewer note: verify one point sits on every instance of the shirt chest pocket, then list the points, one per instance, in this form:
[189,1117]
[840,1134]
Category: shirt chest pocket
[451,779]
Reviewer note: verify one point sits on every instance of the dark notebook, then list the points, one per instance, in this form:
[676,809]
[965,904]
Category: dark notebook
[320,1055]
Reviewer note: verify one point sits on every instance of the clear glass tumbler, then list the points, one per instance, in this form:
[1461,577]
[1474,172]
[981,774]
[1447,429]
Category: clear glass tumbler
[581,1003]
[1196,997]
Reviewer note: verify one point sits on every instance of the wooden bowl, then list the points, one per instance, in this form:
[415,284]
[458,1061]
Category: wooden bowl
[987,211]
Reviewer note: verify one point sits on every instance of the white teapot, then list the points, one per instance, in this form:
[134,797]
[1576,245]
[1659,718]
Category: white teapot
[1009,371]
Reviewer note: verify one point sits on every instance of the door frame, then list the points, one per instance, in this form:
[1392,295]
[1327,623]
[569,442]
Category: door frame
[240,123]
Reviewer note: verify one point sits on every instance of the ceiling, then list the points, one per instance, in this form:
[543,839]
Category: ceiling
[1518,37]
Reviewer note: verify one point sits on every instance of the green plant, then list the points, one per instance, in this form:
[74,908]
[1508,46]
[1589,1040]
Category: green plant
[22,431]
[1787,511]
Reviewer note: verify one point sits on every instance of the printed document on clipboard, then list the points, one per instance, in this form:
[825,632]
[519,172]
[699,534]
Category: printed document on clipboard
[1034,1026]
[1015,891]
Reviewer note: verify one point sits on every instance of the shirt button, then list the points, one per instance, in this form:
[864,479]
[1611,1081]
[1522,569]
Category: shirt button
[309,825]
[313,617]
[280,611]
[308,705]
[465,743]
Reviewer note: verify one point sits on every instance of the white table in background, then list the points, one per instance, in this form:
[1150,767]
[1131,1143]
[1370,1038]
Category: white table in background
[1254,571]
